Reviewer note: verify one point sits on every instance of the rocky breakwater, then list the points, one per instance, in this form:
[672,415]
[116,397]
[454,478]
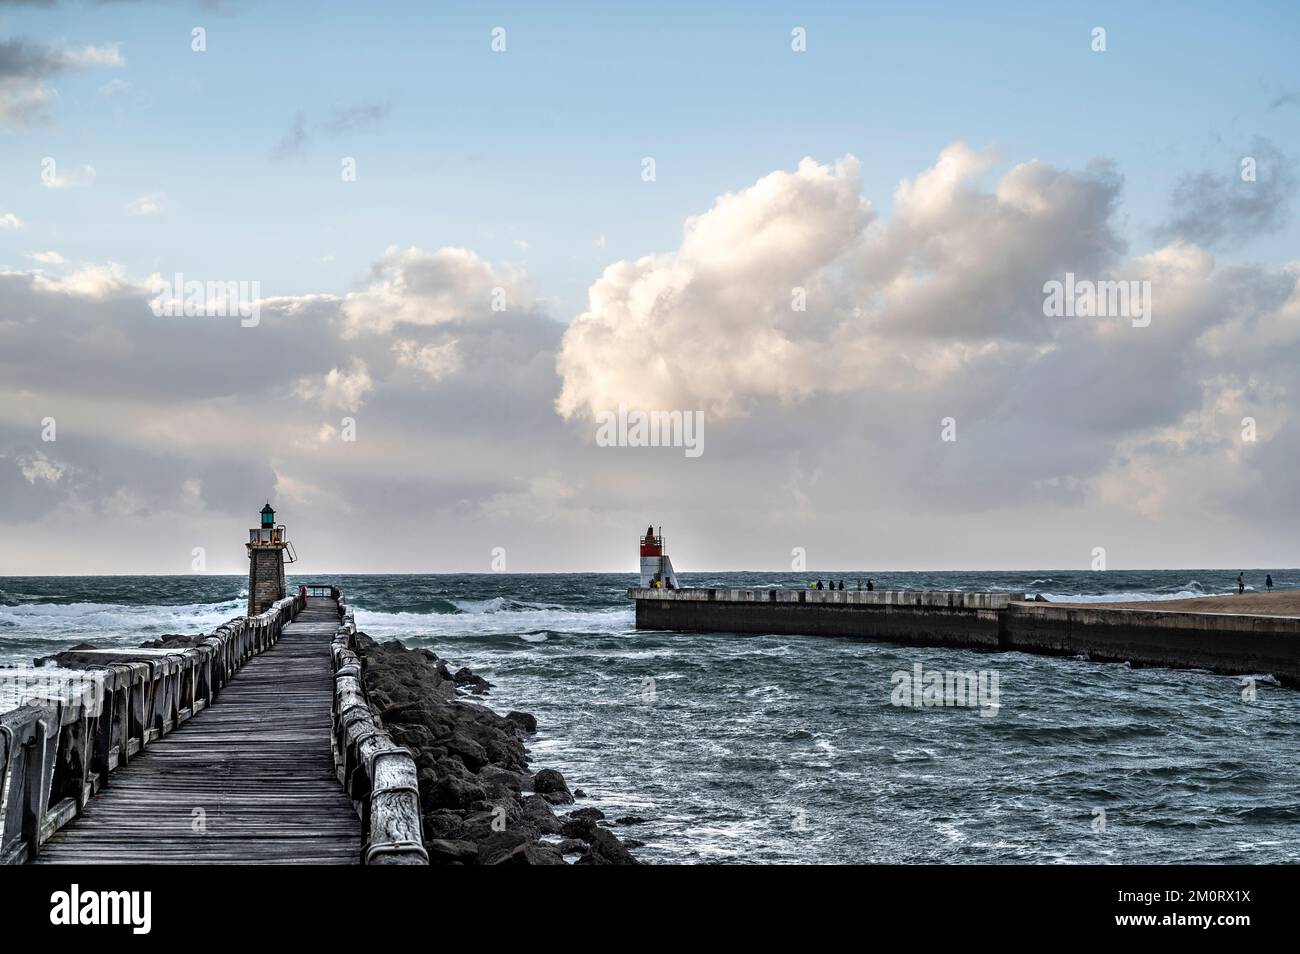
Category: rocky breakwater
[480,801]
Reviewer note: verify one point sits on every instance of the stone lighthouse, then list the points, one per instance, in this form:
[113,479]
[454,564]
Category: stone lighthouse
[266,558]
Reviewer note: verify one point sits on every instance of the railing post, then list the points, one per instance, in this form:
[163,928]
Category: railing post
[40,774]
[14,766]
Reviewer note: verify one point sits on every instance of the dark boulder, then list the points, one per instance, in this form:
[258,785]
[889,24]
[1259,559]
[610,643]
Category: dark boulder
[449,792]
[172,641]
[516,848]
[460,745]
[512,780]
[539,816]
[444,852]
[550,784]
[444,824]
[471,680]
[498,740]
[604,848]
[525,722]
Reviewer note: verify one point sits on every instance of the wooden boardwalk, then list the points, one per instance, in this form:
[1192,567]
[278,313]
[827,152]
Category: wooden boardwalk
[248,781]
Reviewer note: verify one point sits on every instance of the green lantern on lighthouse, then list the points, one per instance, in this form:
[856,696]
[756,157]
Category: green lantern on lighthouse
[268,516]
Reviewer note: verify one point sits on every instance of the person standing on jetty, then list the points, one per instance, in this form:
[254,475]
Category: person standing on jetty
[1241,583]
[1268,582]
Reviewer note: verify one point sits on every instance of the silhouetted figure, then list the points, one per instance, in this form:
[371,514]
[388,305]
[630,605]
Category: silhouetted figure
[870,585]
[1268,582]
[819,584]
[841,584]
[1241,583]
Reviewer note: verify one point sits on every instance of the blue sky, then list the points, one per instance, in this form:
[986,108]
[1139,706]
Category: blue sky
[542,144]
[521,171]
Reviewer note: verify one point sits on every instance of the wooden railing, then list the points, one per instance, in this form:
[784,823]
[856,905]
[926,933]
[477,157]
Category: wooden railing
[378,774]
[79,722]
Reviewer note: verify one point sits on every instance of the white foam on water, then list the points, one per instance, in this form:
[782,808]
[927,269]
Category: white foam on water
[57,626]
[47,685]
[1130,597]
[533,622]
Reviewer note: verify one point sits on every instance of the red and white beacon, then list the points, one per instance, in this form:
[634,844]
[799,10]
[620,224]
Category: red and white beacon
[656,569]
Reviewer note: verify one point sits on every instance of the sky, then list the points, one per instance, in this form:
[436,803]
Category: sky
[473,232]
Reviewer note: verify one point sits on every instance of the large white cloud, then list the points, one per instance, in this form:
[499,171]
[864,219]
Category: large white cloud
[938,310]
[714,324]
[718,323]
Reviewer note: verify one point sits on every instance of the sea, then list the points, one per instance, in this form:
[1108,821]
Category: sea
[788,749]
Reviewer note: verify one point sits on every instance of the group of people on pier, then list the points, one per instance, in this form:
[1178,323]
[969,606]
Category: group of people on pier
[832,585]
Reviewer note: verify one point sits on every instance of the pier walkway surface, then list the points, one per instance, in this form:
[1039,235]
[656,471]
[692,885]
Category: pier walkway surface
[249,780]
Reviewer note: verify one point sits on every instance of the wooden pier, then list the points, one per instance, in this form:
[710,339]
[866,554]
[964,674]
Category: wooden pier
[250,780]
[255,744]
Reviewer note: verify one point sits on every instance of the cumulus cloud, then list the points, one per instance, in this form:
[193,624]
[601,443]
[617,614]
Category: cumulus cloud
[339,390]
[10,221]
[95,282]
[937,312]
[792,287]
[414,287]
[26,68]
[47,258]
[433,361]
[712,324]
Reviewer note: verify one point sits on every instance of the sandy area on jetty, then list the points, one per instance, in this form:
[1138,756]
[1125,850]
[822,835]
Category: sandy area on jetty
[1286,603]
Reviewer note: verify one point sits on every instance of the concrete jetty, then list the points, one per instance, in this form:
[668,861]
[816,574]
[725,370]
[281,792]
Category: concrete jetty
[1230,643]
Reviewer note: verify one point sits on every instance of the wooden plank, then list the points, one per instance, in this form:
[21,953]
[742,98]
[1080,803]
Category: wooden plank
[249,779]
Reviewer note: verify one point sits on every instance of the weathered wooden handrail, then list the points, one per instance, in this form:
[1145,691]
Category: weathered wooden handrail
[378,774]
[78,722]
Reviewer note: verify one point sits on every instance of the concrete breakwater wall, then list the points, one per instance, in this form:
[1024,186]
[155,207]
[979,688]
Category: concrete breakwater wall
[1233,644]
[931,618]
